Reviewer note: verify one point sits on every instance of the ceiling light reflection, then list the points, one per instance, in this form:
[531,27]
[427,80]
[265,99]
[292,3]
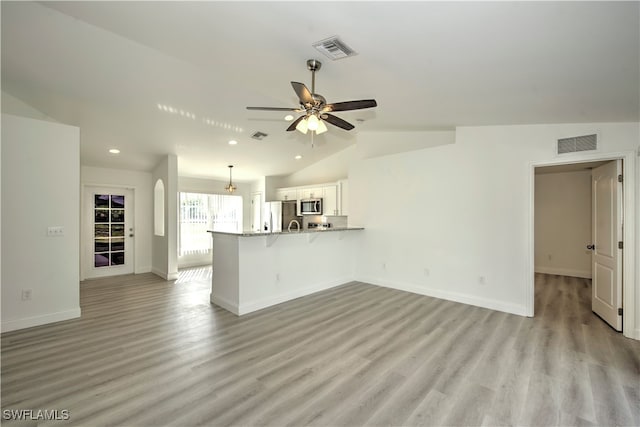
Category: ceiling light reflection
[206,120]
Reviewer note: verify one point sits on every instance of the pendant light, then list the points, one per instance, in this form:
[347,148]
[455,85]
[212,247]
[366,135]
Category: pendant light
[230,188]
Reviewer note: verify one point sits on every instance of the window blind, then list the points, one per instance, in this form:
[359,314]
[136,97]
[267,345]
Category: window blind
[201,212]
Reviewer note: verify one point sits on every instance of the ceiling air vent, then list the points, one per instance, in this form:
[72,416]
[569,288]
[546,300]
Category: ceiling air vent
[334,48]
[578,143]
[259,135]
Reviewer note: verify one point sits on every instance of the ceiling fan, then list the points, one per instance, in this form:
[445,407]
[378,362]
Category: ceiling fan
[315,108]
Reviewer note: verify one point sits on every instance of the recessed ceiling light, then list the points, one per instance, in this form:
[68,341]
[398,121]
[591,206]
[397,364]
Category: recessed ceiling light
[233,142]
[298,157]
[114,151]
[288,117]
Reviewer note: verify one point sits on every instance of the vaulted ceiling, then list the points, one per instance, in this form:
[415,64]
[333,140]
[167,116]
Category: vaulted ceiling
[111,68]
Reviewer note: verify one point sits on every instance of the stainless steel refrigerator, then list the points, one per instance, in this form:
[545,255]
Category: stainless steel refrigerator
[278,215]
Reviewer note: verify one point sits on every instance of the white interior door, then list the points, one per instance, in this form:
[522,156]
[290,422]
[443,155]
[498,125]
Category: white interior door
[607,232]
[108,232]
[256,211]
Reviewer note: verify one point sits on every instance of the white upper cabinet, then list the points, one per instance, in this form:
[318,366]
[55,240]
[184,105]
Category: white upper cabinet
[333,195]
[286,194]
[311,193]
[343,197]
[330,200]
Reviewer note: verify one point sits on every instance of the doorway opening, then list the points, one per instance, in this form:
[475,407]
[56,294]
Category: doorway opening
[578,256]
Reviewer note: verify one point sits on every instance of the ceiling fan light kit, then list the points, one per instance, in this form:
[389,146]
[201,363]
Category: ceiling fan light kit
[315,108]
[303,126]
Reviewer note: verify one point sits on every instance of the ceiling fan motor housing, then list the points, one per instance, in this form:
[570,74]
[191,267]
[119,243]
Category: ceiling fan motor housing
[313,64]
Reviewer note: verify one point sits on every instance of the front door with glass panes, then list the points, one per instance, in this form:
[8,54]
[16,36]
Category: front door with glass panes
[108,248]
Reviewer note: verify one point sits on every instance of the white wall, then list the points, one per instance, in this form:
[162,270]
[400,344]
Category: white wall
[563,223]
[40,189]
[329,169]
[376,144]
[370,144]
[17,107]
[211,186]
[143,206]
[165,248]
[439,219]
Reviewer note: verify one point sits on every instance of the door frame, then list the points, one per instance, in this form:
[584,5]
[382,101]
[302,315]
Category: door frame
[84,226]
[629,284]
[253,194]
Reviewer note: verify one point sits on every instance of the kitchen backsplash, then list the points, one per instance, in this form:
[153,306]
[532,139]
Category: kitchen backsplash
[338,221]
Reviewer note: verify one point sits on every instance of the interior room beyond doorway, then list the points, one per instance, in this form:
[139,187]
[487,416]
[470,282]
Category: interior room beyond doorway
[566,218]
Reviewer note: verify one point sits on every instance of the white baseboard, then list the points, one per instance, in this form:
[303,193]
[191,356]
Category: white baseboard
[28,322]
[564,272]
[165,275]
[224,303]
[194,264]
[157,272]
[492,304]
[142,270]
[278,299]
[194,260]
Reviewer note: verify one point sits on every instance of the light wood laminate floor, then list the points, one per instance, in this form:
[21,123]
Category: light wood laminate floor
[151,353]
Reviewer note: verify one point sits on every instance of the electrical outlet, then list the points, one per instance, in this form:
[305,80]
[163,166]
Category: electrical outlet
[277,277]
[384,265]
[482,280]
[549,257]
[26,294]
[426,272]
[56,231]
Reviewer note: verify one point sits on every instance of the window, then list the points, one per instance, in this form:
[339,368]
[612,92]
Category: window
[202,212]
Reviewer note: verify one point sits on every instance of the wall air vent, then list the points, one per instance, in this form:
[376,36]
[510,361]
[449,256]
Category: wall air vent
[577,143]
[334,48]
[259,135]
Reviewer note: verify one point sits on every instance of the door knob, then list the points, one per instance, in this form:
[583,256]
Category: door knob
[591,247]
[130,235]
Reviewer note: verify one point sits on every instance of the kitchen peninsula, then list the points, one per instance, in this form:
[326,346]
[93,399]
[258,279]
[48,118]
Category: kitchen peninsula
[254,270]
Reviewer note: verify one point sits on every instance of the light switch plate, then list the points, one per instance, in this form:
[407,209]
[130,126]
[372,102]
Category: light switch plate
[56,231]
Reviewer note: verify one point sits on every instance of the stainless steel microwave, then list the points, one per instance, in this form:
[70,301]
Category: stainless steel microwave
[311,207]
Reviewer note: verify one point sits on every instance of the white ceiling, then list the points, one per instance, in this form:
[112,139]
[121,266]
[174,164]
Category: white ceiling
[105,67]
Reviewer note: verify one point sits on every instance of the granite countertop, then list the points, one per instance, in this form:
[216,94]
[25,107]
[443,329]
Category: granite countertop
[266,233]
